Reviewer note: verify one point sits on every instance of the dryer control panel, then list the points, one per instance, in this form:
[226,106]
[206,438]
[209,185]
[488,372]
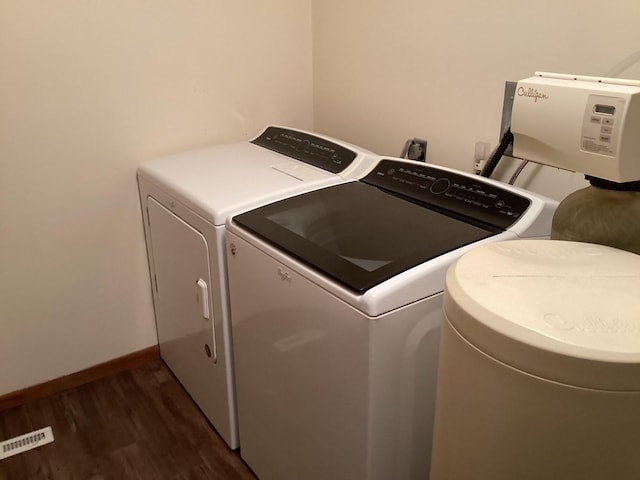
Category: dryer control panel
[310,149]
[455,193]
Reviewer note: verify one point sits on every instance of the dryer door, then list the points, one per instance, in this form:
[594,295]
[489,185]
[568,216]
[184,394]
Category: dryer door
[182,293]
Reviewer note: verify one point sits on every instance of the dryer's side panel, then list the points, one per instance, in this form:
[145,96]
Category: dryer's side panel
[143,191]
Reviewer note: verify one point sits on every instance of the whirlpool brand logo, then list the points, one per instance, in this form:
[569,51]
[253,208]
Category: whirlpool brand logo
[532,93]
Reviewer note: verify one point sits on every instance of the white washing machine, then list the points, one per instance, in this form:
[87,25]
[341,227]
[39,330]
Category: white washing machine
[186,199]
[336,350]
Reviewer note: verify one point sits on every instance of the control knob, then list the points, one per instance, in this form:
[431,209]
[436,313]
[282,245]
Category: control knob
[441,185]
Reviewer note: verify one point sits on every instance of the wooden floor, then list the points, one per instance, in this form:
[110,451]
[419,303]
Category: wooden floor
[138,424]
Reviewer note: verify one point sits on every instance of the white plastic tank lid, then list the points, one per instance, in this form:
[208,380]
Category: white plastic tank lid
[565,311]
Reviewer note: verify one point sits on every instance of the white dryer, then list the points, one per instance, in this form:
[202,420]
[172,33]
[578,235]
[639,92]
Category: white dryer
[336,353]
[186,199]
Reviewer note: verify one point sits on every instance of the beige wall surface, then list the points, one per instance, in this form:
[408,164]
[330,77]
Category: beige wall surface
[388,71]
[89,90]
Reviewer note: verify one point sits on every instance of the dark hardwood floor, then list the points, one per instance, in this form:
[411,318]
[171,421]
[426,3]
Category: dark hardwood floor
[138,424]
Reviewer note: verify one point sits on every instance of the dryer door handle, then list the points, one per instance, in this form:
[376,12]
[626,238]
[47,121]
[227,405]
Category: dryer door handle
[203,298]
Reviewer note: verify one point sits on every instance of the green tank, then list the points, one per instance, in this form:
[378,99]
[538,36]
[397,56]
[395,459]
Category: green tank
[600,215]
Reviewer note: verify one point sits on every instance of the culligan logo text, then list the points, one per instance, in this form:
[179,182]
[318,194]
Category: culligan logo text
[532,93]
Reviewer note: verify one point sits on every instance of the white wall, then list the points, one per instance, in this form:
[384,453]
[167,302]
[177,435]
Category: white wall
[88,90]
[387,71]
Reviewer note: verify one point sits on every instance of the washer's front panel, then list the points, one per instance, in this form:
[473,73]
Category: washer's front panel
[291,341]
[324,391]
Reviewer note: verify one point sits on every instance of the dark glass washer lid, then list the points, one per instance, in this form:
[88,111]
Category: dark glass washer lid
[359,234]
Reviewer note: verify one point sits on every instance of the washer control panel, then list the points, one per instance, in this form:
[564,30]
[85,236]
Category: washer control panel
[307,148]
[466,195]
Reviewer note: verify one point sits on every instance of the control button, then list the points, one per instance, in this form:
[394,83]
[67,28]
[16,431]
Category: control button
[440,186]
[607,121]
[303,146]
[606,130]
[595,119]
[605,138]
[499,204]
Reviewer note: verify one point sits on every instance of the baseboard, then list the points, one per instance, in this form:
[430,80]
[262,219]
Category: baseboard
[73,380]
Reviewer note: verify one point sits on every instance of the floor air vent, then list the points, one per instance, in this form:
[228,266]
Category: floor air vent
[25,442]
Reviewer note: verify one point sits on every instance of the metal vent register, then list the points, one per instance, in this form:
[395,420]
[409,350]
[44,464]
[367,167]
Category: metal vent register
[26,442]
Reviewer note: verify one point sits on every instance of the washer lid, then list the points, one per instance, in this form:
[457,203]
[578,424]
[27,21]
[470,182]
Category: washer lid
[566,311]
[358,234]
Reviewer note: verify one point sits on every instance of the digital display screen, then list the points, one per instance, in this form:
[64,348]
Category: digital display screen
[606,109]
